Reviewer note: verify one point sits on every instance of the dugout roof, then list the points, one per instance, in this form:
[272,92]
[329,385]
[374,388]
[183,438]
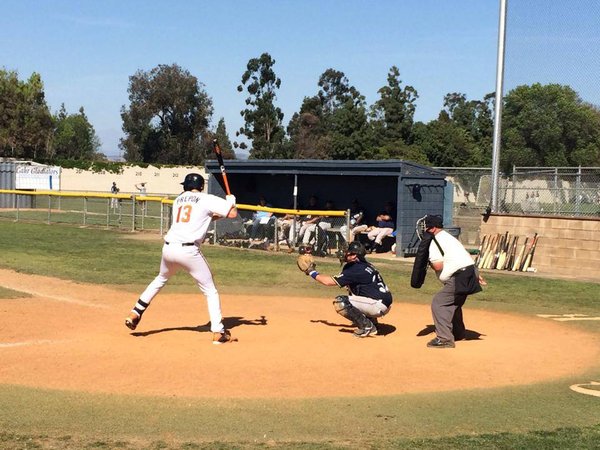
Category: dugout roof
[415,189]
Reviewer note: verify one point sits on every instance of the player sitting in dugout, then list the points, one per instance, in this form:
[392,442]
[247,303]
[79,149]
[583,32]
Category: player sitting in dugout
[368,296]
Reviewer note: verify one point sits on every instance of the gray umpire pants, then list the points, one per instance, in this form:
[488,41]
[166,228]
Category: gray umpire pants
[446,309]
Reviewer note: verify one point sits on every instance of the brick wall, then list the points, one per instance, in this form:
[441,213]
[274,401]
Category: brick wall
[567,247]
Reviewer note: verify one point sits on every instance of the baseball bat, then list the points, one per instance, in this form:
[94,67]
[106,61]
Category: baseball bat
[491,252]
[526,254]
[484,250]
[481,247]
[219,154]
[488,249]
[517,265]
[513,251]
[529,256]
[497,252]
[509,246]
[502,255]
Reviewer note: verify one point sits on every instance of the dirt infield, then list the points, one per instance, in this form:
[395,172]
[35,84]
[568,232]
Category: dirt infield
[71,336]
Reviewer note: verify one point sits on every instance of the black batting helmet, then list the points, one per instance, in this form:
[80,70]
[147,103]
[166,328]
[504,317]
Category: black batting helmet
[193,181]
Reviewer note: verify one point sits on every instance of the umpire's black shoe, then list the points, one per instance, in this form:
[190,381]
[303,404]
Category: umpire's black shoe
[439,343]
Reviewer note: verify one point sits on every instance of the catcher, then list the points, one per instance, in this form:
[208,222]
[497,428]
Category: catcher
[368,296]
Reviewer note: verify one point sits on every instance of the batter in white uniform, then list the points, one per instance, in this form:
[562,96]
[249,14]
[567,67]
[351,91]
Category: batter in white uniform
[192,214]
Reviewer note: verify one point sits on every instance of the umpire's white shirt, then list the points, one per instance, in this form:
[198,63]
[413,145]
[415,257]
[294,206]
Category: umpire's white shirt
[455,256]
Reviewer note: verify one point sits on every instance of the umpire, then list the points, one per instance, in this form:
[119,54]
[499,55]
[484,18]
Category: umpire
[447,257]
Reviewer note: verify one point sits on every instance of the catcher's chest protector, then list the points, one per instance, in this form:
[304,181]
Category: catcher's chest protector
[421,260]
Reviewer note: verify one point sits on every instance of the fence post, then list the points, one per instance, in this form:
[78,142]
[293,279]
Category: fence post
[348,232]
[133,212]
[49,208]
[85,210]
[578,192]
[162,210]
[513,186]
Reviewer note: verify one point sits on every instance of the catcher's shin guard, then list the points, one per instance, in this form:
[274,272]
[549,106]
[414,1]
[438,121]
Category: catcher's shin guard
[346,309]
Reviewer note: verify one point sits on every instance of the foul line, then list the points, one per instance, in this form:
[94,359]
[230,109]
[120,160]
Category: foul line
[567,317]
[21,344]
[61,299]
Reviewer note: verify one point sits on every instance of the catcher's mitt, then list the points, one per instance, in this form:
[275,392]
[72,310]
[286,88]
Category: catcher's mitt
[306,263]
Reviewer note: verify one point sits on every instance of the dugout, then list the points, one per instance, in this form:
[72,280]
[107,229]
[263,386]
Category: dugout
[415,189]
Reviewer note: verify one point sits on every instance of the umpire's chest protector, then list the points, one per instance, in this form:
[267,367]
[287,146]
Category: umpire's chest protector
[419,270]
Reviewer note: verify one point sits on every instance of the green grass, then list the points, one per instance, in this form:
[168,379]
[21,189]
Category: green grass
[546,415]
[9,293]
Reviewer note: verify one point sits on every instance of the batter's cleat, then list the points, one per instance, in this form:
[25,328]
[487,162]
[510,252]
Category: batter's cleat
[439,343]
[132,321]
[222,337]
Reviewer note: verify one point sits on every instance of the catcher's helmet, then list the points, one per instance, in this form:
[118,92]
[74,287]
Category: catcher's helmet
[193,181]
[354,248]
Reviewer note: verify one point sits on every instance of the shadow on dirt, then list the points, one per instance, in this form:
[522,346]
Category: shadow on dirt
[383,329]
[228,322]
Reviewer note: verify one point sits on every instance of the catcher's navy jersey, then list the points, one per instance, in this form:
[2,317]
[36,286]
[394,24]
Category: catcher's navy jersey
[361,278]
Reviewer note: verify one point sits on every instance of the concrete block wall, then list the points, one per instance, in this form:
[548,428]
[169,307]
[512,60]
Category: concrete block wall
[567,247]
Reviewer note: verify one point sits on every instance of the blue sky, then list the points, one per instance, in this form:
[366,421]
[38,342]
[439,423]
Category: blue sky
[86,50]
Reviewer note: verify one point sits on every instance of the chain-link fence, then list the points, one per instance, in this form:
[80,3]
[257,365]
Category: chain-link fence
[255,227]
[119,211]
[280,229]
[556,191]
[547,191]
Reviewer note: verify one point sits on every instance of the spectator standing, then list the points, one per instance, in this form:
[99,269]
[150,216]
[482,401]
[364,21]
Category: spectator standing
[141,187]
[114,202]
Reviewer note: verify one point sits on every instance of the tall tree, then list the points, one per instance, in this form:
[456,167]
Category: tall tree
[25,120]
[475,116]
[223,139]
[307,131]
[446,144]
[168,117]
[263,120]
[549,125]
[344,116]
[74,137]
[393,114]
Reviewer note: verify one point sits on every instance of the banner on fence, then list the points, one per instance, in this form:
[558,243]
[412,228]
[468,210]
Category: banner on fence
[37,177]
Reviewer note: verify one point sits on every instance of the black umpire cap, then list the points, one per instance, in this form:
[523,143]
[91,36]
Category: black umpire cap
[432,220]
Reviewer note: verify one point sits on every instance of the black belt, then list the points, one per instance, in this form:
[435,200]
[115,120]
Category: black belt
[182,244]
[460,270]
